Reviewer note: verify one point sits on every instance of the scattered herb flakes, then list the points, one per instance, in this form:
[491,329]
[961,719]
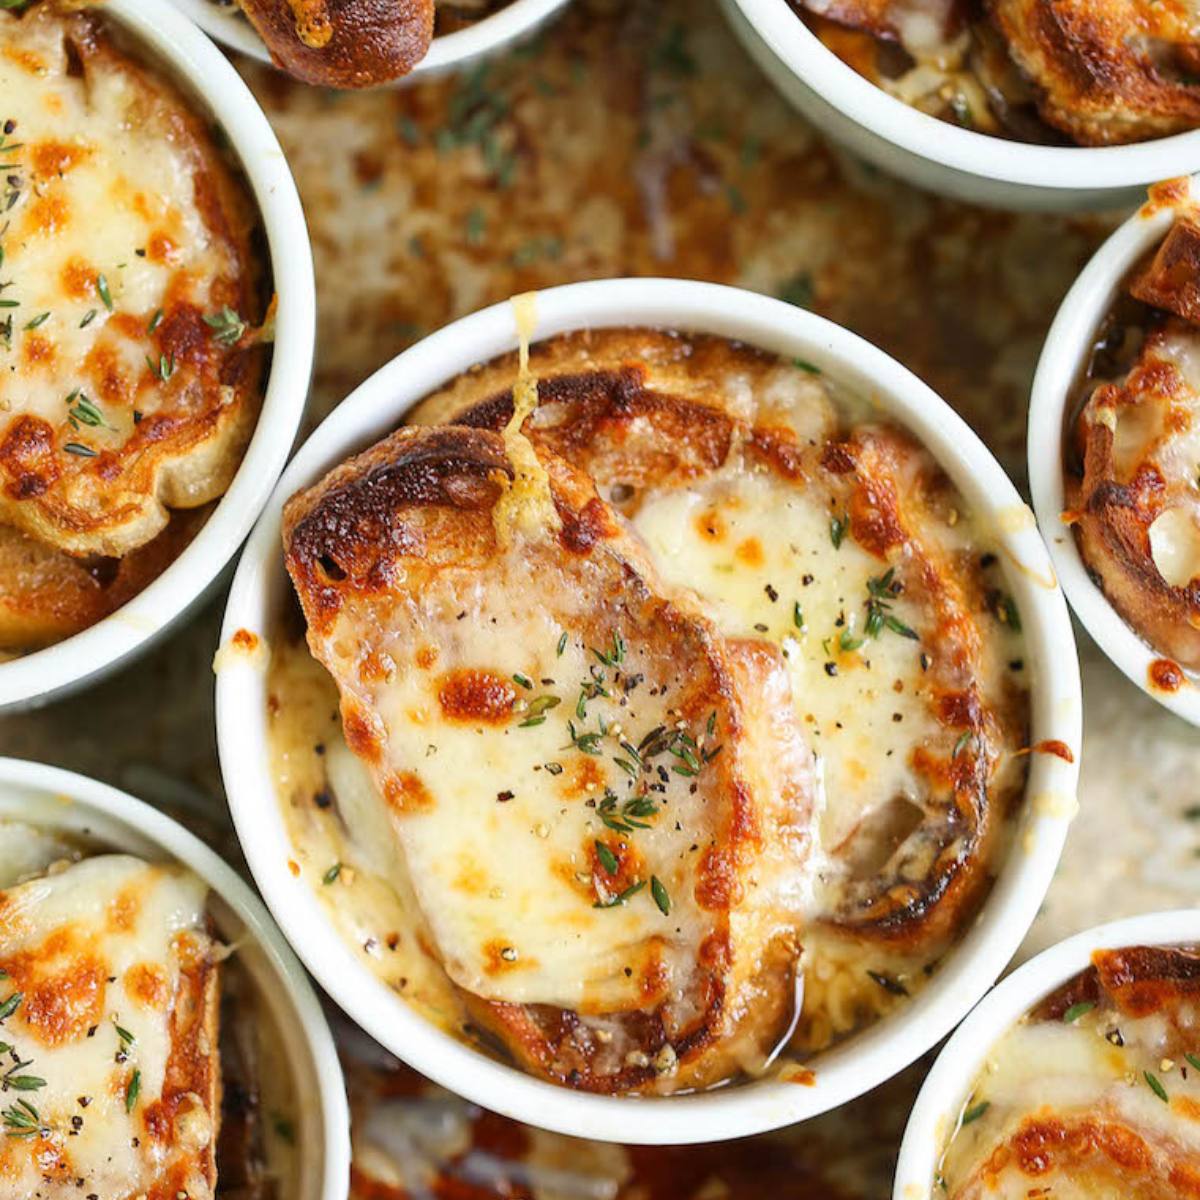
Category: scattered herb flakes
[1004,608]
[285,1129]
[659,892]
[104,293]
[798,290]
[227,327]
[1156,1087]
[976,1111]
[332,874]
[608,860]
[1077,1010]
[476,226]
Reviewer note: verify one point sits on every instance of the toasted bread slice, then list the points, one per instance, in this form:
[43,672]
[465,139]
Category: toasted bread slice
[1106,71]
[115,1022]
[603,808]
[749,485]
[131,286]
[1136,507]
[344,43]
[47,595]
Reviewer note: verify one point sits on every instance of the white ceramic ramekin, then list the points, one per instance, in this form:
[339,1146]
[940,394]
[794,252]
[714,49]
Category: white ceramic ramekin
[63,801]
[1064,357]
[377,407]
[184,54]
[514,23]
[934,154]
[948,1084]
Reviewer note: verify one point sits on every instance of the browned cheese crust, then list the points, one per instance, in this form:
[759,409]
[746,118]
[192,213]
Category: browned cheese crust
[344,43]
[631,408]
[1106,71]
[185,449]
[406,529]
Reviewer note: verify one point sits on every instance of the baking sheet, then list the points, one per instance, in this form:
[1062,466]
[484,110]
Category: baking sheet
[634,137]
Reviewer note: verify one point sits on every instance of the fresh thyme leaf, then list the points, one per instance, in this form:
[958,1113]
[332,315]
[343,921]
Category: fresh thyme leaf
[797,615]
[562,644]
[898,626]
[660,895]
[542,704]
[608,860]
[961,743]
[1194,1060]
[165,368]
[105,294]
[154,321]
[523,680]
[1077,1010]
[10,1005]
[124,1034]
[23,1083]
[976,1111]
[81,450]
[621,897]
[837,530]
[806,366]
[131,1092]
[1156,1087]
[848,641]
[226,325]
[88,318]
[40,319]
[331,875]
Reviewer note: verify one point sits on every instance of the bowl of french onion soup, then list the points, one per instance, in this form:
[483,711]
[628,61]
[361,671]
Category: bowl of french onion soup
[160,1039]
[357,44]
[1114,442]
[649,690]
[1078,1077]
[155,351]
[1029,104]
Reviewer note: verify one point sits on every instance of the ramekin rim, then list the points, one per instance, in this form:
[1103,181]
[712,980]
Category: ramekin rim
[447,52]
[892,1044]
[1002,160]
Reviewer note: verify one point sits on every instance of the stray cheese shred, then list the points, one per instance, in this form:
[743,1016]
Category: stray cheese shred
[525,502]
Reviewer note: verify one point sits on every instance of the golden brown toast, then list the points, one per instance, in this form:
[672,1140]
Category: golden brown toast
[602,806]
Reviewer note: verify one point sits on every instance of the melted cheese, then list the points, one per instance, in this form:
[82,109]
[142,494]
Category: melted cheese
[1099,1068]
[98,945]
[109,225]
[502,854]
[525,503]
